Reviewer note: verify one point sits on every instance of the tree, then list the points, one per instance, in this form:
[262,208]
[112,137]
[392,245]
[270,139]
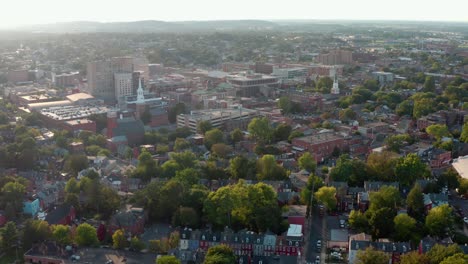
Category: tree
[405,227]
[267,168]
[327,196]
[464,133]
[236,135]
[410,168]
[86,235]
[260,129]
[438,131]
[347,114]
[167,260]
[72,186]
[307,162]
[9,235]
[136,244]
[353,171]
[429,84]
[181,144]
[371,84]
[415,202]
[118,239]
[35,231]
[405,108]
[221,150]
[324,84]
[284,103]
[439,253]
[61,234]
[212,137]
[380,165]
[12,194]
[186,216]
[423,107]
[439,221]
[379,221]
[220,254]
[372,256]
[459,258]
[396,142]
[358,221]
[282,132]
[414,257]
[76,163]
[386,197]
[184,160]
[242,168]
[204,126]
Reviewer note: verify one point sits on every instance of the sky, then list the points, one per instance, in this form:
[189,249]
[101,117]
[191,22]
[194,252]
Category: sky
[26,12]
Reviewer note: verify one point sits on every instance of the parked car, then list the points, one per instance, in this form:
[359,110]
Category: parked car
[317,260]
[465,219]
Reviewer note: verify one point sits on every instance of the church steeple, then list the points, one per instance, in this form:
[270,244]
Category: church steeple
[335,88]
[140,94]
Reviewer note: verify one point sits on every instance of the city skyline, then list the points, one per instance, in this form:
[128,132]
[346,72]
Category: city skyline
[53,11]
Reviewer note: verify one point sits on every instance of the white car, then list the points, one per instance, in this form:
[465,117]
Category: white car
[317,260]
[465,219]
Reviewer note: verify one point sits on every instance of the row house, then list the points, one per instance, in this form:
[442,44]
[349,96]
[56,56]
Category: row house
[393,249]
[243,243]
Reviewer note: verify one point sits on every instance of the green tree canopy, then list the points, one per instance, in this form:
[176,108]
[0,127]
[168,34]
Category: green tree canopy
[261,129]
[439,221]
[405,227]
[167,260]
[221,254]
[86,235]
[9,235]
[439,253]
[409,169]
[236,135]
[327,196]
[307,162]
[267,168]
[118,239]
[372,256]
[415,202]
[438,131]
[204,126]
[241,167]
[61,234]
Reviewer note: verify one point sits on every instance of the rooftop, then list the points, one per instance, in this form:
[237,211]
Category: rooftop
[461,166]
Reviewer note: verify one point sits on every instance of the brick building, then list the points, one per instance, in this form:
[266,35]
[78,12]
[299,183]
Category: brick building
[320,145]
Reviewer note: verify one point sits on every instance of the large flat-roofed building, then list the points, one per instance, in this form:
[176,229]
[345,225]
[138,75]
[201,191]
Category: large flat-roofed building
[320,145]
[18,76]
[66,79]
[57,116]
[383,77]
[252,85]
[219,118]
[336,57]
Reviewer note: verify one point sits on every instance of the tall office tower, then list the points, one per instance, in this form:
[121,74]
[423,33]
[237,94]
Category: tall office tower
[123,83]
[100,80]
[141,65]
[122,64]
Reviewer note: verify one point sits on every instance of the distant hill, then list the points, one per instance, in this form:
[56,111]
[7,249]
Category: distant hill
[152,26]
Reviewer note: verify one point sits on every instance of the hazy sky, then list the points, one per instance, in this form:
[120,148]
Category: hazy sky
[23,12]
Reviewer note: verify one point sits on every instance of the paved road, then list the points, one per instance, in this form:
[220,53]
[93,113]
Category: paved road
[317,230]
